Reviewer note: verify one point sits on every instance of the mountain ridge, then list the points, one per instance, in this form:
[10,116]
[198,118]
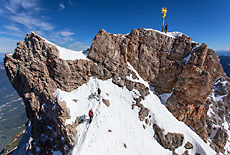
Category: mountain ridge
[168,64]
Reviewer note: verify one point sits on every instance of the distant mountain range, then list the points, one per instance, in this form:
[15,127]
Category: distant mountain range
[225,62]
[223,53]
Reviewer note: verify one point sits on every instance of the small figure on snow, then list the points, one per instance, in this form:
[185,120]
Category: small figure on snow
[98,93]
[91,114]
[166,27]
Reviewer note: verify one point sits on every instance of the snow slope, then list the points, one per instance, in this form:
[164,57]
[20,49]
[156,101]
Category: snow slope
[67,54]
[117,126]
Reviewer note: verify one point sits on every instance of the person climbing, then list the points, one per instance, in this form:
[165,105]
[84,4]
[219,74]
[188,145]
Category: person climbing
[91,114]
[98,93]
[166,27]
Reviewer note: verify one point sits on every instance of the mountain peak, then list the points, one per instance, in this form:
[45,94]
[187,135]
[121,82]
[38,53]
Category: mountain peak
[131,71]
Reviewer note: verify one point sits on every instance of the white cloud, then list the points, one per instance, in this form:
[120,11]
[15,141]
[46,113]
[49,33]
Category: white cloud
[61,38]
[78,46]
[7,45]
[39,32]
[66,33]
[71,3]
[32,22]
[10,9]
[62,7]
[14,6]
[13,33]
[27,5]
[27,13]
[12,28]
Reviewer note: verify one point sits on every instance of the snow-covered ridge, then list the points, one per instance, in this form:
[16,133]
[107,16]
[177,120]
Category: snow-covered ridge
[116,129]
[67,54]
[169,34]
[173,34]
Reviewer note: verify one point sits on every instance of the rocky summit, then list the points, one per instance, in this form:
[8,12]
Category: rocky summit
[186,76]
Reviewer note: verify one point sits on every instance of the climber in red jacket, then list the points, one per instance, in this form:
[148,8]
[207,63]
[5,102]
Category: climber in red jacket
[91,114]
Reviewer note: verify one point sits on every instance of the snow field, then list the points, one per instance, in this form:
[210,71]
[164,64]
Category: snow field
[118,117]
[123,122]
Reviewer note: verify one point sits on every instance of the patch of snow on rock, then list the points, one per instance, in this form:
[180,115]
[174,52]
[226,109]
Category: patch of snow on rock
[137,74]
[164,97]
[67,54]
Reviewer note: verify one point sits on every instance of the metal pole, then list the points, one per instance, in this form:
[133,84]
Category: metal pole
[164,11]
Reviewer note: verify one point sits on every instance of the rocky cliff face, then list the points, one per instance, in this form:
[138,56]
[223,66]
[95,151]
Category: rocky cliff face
[171,65]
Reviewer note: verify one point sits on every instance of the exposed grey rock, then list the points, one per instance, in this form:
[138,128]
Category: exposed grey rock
[106,102]
[215,147]
[188,145]
[185,152]
[146,121]
[143,113]
[174,153]
[222,86]
[219,114]
[221,138]
[169,141]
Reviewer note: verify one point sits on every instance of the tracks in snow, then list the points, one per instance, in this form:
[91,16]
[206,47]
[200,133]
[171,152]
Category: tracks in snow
[96,109]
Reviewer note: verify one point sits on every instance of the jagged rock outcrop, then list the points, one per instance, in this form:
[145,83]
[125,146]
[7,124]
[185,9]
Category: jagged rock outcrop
[29,72]
[169,141]
[36,71]
[169,64]
[218,107]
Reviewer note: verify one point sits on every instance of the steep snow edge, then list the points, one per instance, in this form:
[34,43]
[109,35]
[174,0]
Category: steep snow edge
[116,129]
[67,54]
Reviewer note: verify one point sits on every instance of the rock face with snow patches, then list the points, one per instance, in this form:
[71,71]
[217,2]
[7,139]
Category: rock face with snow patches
[127,74]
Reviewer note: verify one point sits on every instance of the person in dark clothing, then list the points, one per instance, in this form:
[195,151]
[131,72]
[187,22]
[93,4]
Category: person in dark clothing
[91,114]
[166,27]
[99,91]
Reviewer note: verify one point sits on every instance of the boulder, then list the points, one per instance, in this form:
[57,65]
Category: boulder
[188,145]
[169,141]
[106,102]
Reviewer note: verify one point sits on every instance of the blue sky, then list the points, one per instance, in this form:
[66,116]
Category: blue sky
[74,23]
